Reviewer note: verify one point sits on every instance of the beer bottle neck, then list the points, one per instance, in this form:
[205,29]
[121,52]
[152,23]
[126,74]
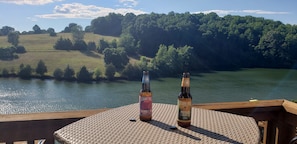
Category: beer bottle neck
[146,87]
[185,82]
[185,85]
[146,83]
[185,89]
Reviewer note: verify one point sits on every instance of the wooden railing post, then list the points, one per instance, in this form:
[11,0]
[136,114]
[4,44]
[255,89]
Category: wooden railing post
[271,132]
[285,133]
[263,129]
[280,130]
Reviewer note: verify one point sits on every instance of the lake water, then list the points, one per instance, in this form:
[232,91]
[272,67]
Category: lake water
[27,96]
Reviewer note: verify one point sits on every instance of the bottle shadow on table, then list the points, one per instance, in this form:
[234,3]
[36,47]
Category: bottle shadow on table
[213,135]
[171,128]
[202,131]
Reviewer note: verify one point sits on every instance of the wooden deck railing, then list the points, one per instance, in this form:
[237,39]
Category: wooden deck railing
[36,126]
[277,120]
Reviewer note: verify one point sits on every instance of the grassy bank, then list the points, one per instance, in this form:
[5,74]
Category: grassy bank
[40,47]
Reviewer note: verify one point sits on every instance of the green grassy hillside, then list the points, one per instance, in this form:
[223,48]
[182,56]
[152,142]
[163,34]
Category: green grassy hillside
[40,47]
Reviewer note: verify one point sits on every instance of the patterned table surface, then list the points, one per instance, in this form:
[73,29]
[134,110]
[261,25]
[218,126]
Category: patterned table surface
[117,126]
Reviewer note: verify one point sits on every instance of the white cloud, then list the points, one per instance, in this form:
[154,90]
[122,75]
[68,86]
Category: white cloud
[226,12]
[129,3]
[263,12]
[29,2]
[219,12]
[78,10]
[32,19]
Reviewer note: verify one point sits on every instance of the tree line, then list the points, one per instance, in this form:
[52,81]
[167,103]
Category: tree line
[26,71]
[5,30]
[168,44]
[219,43]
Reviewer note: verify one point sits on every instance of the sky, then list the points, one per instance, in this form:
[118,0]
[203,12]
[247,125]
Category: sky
[24,14]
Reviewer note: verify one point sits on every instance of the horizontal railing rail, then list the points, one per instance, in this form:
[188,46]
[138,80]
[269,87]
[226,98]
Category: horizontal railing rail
[277,121]
[36,126]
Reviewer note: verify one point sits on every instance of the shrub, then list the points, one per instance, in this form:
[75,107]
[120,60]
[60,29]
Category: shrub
[58,74]
[110,71]
[84,75]
[63,44]
[25,71]
[20,49]
[69,73]
[80,45]
[97,73]
[5,72]
[132,72]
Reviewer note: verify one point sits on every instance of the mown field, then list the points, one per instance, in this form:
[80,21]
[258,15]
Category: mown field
[40,47]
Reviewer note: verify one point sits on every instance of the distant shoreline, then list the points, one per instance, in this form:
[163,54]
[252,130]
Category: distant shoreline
[46,77]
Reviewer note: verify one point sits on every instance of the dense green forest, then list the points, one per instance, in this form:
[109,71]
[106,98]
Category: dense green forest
[219,43]
[168,44]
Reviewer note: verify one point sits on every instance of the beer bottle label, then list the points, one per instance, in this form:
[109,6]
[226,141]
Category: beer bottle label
[145,105]
[184,109]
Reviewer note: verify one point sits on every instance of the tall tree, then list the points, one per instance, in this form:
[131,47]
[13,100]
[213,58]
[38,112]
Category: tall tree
[80,45]
[6,30]
[69,27]
[51,32]
[109,25]
[37,29]
[113,44]
[128,22]
[271,48]
[88,29]
[41,69]
[291,47]
[97,73]
[170,60]
[91,46]
[77,33]
[58,74]
[131,72]
[5,72]
[6,53]
[110,71]
[69,73]
[128,43]
[13,38]
[102,45]
[116,56]
[84,75]
[25,71]
[63,44]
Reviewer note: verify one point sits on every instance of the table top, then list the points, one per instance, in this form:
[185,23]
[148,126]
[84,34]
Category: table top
[117,126]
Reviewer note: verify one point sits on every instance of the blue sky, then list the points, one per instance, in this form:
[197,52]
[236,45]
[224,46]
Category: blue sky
[57,14]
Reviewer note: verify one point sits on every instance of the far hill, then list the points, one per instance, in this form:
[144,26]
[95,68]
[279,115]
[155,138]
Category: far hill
[175,42]
[40,47]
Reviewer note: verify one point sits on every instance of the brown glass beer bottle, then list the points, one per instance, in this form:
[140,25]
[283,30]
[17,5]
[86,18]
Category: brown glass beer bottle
[184,102]
[145,98]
